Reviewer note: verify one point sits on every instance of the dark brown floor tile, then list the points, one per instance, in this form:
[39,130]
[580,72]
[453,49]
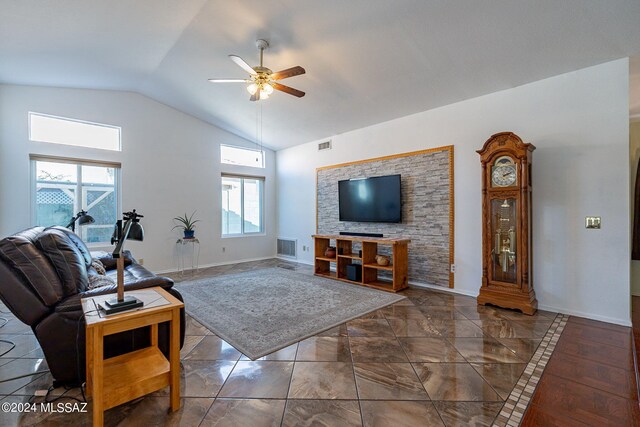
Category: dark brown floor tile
[245,412]
[569,399]
[392,381]
[322,413]
[287,353]
[457,328]
[324,349]
[369,328]
[258,379]
[511,328]
[201,378]
[524,348]
[601,353]
[441,312]
[323,380]
[153,411]
[413,328]
[599,335]
[402,312]
[468,413]
[399,414]
[193,327]
[454,381]
[538,417]
[501,376]
[377,349]
[484,350]
[481,312]
[190,341]
[338,331]
[593,374]
[212,347]
[425,349]
[378,314]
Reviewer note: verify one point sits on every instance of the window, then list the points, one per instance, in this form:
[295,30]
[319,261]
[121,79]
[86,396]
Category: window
[62,188]
[58,130]
[241,156]
[242,205]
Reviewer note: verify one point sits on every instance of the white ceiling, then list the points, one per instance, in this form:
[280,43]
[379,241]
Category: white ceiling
[367,61]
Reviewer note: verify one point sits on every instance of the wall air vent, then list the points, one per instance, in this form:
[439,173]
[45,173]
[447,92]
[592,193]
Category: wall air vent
[324,145]
[287,247]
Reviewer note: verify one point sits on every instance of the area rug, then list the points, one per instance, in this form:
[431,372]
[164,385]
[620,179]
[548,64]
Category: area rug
[261,311]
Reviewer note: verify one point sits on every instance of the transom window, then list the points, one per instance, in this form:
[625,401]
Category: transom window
[61,188]
[60,130]
[242,205]
[241,156]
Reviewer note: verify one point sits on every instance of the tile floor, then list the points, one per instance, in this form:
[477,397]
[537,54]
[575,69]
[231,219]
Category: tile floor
[434,359]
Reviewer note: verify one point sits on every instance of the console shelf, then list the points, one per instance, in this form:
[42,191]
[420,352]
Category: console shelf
[398,279]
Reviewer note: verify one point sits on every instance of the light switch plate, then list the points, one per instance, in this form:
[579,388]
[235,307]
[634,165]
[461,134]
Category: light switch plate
[592,222]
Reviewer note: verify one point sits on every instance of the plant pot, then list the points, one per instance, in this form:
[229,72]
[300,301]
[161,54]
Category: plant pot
[330,252]
[383,260]
[188,234]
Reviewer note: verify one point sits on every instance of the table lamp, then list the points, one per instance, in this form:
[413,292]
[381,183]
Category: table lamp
[131,230]
[83,218]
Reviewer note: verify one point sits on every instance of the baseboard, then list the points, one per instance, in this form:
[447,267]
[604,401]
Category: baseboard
[442,289]
[284,258]
[578,313]
[216,264]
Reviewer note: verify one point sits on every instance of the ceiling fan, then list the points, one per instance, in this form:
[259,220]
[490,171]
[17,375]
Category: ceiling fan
[262,81]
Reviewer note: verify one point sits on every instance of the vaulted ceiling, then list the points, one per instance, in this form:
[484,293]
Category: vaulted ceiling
[367,61]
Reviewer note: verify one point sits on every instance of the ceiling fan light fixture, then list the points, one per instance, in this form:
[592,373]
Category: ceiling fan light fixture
[264,94]
[252,88]
[267,88]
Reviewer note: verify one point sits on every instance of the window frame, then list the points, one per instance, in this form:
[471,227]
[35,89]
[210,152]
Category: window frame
[69,119]
[34,158]
[261,204]
[238,147]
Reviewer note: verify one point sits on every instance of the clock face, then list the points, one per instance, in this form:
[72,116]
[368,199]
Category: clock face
[504,172]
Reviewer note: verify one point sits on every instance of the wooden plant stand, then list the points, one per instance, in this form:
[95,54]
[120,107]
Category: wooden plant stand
[370,269]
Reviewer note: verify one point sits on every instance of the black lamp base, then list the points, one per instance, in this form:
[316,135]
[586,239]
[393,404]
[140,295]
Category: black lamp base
[128,303]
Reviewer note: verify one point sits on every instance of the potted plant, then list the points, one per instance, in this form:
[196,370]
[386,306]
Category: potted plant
[187,224]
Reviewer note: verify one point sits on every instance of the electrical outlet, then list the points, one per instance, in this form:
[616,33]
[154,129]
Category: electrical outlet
[224,249]
[141,261]
[453,268]
[304,248]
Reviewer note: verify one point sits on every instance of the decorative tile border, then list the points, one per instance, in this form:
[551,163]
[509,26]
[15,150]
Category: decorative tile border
[515,406]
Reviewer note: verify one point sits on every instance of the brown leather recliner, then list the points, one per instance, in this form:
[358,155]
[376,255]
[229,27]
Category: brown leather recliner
[44,273]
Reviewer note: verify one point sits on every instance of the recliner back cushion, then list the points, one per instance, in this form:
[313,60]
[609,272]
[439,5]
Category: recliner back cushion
[86,254]
[66,258]
[22,256]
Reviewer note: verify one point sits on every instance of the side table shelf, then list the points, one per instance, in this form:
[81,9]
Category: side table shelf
[114,381]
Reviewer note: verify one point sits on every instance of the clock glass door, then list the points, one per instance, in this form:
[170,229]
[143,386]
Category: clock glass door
[503,234]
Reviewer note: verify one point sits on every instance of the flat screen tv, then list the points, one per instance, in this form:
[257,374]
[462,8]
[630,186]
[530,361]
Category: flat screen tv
[376,199]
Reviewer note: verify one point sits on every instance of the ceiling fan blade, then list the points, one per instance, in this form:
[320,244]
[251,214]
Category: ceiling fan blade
[255,96]
[227,80]
[289,72]
[241,62]
[287,89]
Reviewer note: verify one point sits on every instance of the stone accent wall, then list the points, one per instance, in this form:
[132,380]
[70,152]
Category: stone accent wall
[426,191]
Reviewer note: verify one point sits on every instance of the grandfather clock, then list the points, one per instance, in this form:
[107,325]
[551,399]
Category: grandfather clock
[507,261]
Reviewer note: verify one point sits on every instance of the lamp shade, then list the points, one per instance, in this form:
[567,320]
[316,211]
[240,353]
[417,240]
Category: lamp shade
[86,219]
[136,232]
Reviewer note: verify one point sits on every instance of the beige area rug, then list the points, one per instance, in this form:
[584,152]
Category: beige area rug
[261,311]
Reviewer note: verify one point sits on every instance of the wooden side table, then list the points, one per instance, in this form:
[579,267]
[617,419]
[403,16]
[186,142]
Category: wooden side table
[119,379]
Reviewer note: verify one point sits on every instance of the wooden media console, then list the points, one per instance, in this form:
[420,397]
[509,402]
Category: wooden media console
[345,255]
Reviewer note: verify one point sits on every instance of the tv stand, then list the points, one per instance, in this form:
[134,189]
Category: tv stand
[353,233]
[345,255]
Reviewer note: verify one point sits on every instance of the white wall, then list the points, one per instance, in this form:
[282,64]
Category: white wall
[579,124]
[634,157]
[170,165]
